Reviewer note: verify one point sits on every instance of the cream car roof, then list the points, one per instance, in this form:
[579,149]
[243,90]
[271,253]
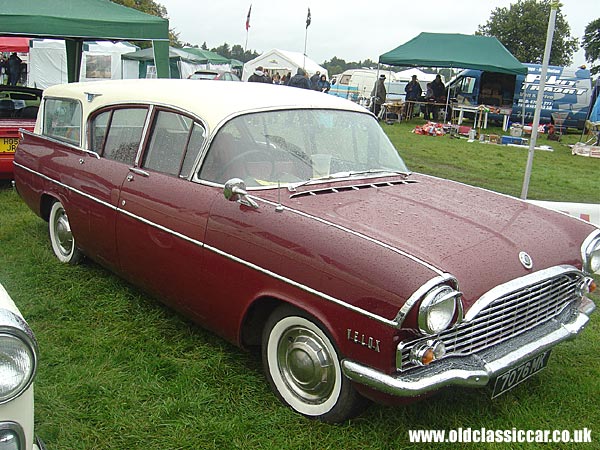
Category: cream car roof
[212,101]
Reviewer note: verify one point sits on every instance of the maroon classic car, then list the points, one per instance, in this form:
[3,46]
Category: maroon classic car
[285,220]
[18,109]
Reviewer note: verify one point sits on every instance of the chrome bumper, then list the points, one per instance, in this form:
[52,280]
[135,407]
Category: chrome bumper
[474,370]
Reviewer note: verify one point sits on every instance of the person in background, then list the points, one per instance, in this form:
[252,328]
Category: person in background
[378,95]
[314,80]
[276,78]
[439,90]
[439,94]
[14,69]
[323,85]
[300,80]
[3,69]
[429,108]
[413,94]
[259,76]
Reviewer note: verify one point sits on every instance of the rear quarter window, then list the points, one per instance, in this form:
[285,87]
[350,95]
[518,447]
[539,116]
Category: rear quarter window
[62,120]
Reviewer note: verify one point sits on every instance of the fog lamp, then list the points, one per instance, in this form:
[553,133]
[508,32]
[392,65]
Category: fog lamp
[426,352]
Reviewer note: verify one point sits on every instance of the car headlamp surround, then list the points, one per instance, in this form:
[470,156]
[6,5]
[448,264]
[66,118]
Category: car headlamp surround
[590,253]
[438,309]
[18,356]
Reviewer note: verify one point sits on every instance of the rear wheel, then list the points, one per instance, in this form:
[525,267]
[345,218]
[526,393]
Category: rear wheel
[61,237]
[303,368]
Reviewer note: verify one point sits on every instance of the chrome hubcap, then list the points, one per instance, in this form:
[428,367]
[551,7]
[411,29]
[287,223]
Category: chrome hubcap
[63,233]
[306,365]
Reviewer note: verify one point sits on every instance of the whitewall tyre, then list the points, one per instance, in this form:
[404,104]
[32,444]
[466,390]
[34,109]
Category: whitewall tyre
[303,368]
[61,237]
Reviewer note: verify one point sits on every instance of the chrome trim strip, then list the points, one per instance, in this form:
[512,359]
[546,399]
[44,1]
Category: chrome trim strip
[57,141]
[225,254]
[516,285]
[478,369]
[302,287]
[357,234]
[77,191]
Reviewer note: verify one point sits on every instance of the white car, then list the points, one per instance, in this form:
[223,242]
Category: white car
[18,364]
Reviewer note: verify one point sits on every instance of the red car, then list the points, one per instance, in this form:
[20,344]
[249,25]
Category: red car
[18,109]
[285,220]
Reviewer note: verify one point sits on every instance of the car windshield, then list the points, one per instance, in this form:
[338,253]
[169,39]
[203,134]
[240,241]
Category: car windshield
[294,147]
[203,76]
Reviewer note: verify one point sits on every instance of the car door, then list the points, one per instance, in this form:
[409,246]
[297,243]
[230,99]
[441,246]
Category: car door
[162,215]
[115,139]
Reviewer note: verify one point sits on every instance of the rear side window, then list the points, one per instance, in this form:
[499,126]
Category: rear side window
[62,120]
[174,144]
[122,140]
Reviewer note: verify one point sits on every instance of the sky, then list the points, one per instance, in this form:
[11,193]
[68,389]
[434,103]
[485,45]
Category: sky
[352,30]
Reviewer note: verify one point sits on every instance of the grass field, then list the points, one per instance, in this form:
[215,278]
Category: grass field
[120,371]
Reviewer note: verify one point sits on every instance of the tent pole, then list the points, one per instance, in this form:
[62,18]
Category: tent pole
[540,97]
[74,48]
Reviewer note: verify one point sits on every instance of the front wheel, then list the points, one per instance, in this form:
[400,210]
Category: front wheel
[61,237]
[303,368]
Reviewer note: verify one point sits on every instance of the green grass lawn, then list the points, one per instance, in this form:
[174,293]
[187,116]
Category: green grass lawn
[120,371]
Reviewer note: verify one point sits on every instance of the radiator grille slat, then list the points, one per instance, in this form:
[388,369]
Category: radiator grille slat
[506,316]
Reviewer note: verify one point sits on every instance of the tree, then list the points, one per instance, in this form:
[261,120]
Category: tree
[591,44]
[522,28]
[155,9]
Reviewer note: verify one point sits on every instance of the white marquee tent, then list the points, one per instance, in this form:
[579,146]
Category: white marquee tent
[100,60]
[282,62]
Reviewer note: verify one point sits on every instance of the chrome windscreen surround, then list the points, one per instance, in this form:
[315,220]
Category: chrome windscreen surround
[507,311]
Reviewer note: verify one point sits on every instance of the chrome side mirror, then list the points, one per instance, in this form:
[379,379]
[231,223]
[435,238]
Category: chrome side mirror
[235,191]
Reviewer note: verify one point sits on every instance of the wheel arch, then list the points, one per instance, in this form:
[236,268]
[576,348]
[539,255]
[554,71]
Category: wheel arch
[46,201]
[259,311]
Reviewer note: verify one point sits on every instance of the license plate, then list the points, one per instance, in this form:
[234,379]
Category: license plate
[8,145]
[512,377]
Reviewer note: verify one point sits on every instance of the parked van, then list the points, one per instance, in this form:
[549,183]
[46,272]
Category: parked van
[566,100]
[363,79]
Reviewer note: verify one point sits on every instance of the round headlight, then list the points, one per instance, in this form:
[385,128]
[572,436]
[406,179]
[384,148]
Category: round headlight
[590,252]
[17,366]
[438,309]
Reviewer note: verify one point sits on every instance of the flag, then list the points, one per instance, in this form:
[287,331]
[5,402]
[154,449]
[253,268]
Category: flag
[248,18]
[308,18]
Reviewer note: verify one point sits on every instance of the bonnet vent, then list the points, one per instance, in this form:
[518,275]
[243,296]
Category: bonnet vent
[353,187]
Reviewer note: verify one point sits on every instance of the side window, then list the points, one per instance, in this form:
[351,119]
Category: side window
[193,149]
[172,149]
[124,135]
[62,119]
[98,131]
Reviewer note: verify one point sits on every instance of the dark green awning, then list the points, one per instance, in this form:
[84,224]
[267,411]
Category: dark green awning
[459,51]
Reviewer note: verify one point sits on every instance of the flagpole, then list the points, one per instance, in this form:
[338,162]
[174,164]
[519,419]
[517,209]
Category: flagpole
[247,28]
[308,21]
[305,39]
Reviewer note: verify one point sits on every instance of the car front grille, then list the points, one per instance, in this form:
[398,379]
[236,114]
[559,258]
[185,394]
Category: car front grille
[502,317]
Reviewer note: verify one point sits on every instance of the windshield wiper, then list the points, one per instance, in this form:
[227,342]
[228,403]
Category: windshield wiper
[344,174]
